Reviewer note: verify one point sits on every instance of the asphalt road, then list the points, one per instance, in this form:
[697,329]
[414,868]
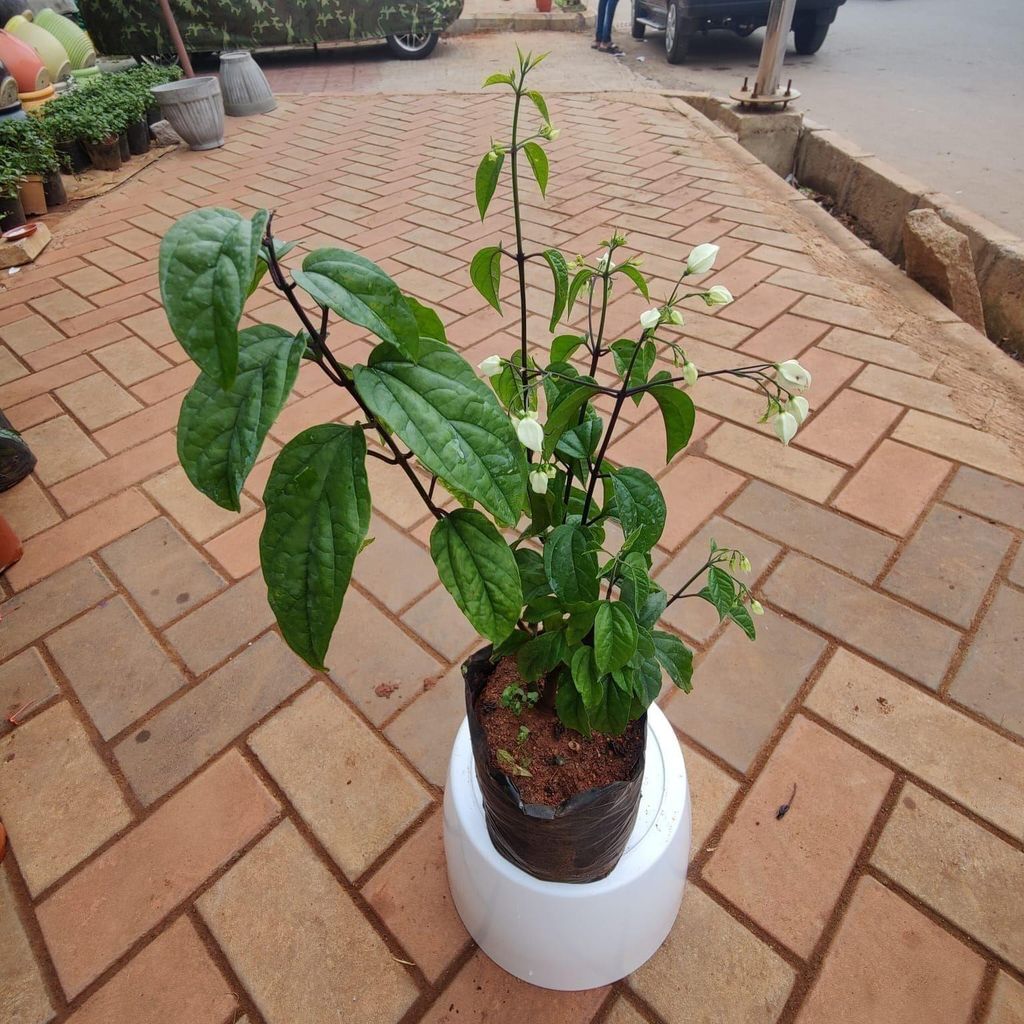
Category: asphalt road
[935,87]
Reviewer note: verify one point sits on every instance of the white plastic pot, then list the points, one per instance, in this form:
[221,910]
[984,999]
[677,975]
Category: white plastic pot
[559,935]
[244,86]
[194,109]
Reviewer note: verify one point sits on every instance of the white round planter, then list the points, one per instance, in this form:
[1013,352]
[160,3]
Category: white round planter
[194,109]
[564,936]
[244,86]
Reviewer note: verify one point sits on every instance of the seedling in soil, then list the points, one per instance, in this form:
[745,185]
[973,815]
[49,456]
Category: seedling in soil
[517,700]
[523,735]
[512,766]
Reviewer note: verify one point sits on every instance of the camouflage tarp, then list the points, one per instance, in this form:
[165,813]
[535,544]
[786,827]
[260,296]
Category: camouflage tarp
[136,26]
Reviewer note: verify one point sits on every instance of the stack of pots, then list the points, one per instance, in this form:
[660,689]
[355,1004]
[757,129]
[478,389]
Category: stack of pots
[75,40]
[10,103]
[51,52]
[34,86]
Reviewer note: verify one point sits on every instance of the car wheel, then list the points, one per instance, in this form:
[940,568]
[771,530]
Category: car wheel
[412,45]
[678,30]
[639,28]
[809,34]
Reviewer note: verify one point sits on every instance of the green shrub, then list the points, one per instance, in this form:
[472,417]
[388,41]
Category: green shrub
[26,148]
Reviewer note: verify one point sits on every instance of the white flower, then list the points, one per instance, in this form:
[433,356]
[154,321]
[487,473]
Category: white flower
[491,366]
[798,408]
[604,263]
[792,373]
[676,316]
[690,373]
[650,318]
[784,425]
[529,432]
[756,607]
[701,258]
[718,295]
[539,481]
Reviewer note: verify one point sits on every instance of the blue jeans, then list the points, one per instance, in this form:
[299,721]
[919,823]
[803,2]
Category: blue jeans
[605,16]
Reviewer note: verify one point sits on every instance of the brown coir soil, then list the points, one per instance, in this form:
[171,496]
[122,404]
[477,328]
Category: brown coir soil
[560,761]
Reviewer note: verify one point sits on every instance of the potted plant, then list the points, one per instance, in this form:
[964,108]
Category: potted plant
[61,119]
[12,214]
[100,133]
[543,543]
[25,143]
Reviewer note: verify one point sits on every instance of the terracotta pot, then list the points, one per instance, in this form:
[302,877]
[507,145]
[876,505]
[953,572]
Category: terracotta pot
[544,6]
[105,155]
[23,62]
[12,215]
[122,142]
[138,137]
[53,187]
[51,52]
[194,110]
[245,87]
[33,198]
[10,546]
[75,40]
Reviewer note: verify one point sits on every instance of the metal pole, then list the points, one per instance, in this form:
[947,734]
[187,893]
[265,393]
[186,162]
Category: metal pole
[773,50]
[179,43]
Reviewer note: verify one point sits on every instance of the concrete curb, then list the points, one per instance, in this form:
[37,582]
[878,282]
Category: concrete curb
[878,197]
[529,21]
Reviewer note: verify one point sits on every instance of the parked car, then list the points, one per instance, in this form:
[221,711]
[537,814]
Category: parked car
[681,19]
[135,27]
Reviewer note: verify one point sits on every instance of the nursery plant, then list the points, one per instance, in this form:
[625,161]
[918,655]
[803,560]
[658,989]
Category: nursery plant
[543,542]
[25,146]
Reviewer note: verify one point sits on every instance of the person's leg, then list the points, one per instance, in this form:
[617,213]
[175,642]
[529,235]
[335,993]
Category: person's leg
[609,18]
[602,6]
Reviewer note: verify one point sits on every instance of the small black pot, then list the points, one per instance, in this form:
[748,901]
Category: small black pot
[122,141]
[153,115]
[53,189]
[73,156]
[16,458]
[138,137]
[105,155]
[12,213]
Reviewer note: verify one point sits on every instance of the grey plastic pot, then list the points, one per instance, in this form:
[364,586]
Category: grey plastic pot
[245,87]
[194,109]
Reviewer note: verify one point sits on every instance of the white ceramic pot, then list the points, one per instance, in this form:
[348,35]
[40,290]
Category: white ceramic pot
[194,109]
[245,87]
[559,935]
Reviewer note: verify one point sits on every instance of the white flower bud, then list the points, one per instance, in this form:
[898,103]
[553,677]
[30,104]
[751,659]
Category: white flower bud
[745,565]
[491,366]
[690,373]
[798,408]
[756,607]
[701,258]
[605,263]
[718,295]
[784,425]
[676,316]
[530,432]
[792,374]
[538,481]
[650,318]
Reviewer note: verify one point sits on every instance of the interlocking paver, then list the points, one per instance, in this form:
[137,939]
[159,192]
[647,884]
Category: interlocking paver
[279,904]
[862,618]
[97,400]
[25,683]
[907,389]
[963,872]
[199,517]
[130,360]
[975,447]
[1007,1005]
[27,509]
[873,349]
[848,427]
[987,496]
[142,877]
[891,965]
[711,791]
[62,448]
[58,800]
[968,762]
[23,994]
[787,873]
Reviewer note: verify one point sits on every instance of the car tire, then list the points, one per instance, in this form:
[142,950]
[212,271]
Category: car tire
[809,34]
[679,29]
[412,45]
[639,28]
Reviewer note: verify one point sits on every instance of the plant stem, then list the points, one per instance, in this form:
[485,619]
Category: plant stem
[520,255]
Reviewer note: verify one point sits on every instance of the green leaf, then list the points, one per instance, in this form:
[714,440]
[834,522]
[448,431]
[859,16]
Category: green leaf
[207,263]
[510,644]
[675,658]
[586,677]
[611,714]
[571,564]
[653,607]
[639,506]
[581,441]
[582,278]
[541,104]
[540,655]
[487,175]
[318,512]
[572,712]
[563,347]
[741,616]
[485,273]
[539,162]
[478,569]
[581,622]
[646,676]
[679,415]
[534,580]
[498,78]
[220,431]
[560,274]
[452,422]
[428,322]
[615,636]
[281,249]
[636,277]
[720,590]
[565,412]
[622,354]
[358,290]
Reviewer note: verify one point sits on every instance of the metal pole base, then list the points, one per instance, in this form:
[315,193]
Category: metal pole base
[749,98]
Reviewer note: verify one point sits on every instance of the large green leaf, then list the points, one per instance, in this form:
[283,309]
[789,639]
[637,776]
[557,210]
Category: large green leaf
[451,421]
[428,322]
[540,655]
[487,175]
[610,714]
[640,507]
[318,512]
[539,163]
[675,657]
[478,569]
[571,564]
[615,636]
[485,273]
[586,677]
[565,411]
[560,278]
[572,712]
[220,431]
[358,290]
[679,414]
[207,263]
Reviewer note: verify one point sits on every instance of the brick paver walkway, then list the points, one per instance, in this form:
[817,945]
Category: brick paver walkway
[203,831]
